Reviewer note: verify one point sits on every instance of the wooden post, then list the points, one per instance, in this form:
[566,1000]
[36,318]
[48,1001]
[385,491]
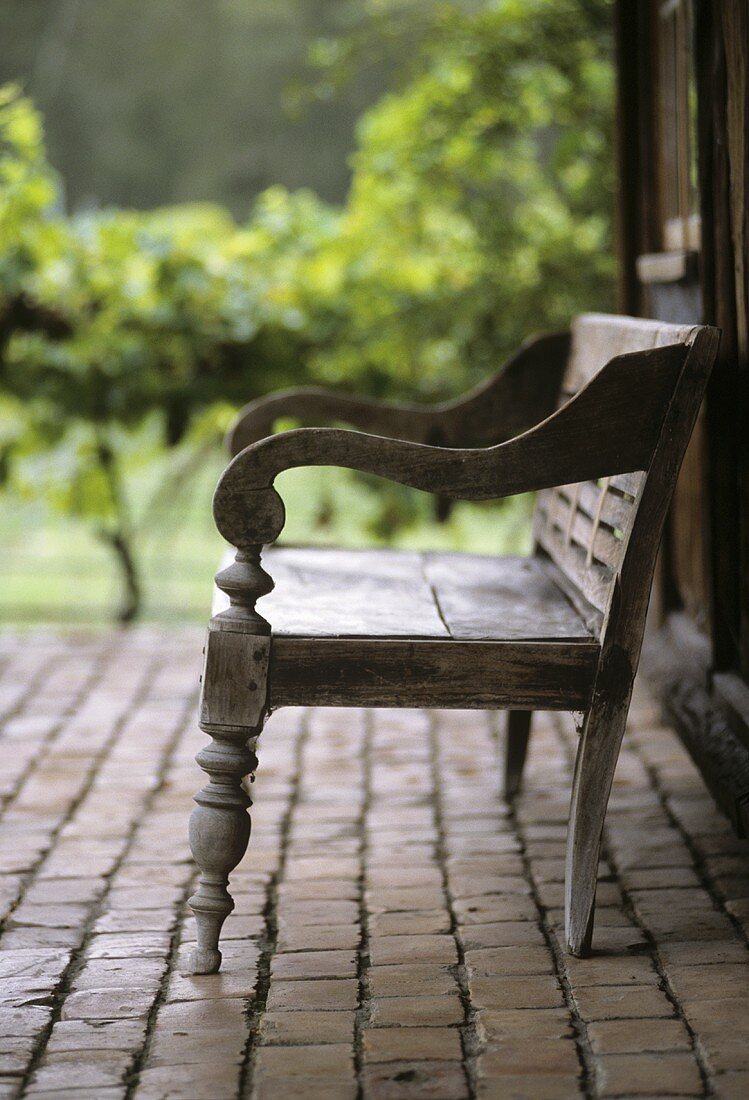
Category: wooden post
[232,711]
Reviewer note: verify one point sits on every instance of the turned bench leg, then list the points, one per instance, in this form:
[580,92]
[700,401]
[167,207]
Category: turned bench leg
[597,754]
[233,708]
[518,732]
[219,834]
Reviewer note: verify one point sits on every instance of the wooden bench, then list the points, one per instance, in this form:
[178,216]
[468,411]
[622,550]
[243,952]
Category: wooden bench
[561,630]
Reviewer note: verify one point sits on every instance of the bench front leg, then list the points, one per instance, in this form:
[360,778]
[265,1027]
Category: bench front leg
[232,712]
[219,834]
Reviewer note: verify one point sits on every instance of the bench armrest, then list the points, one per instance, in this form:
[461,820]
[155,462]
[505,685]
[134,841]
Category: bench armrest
[523,392]
[610,427]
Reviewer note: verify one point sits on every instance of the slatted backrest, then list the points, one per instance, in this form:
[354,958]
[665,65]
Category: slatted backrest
[584,528]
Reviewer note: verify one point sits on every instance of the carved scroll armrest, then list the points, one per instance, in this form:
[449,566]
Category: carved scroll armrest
[521,393]
[610,427]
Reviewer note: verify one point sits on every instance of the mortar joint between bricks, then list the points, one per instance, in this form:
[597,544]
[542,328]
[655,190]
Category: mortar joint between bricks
[363,1014]
[141,1058]
[579,1026]
[88,684]
[42,673]
[698,860]
[469,1032]
[256,1005]
[77,959]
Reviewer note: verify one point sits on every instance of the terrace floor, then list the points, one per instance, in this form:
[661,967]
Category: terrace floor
[397,925]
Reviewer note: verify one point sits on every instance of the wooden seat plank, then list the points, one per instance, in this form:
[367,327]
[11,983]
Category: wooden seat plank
[502,599]
[324,593]
[350,593]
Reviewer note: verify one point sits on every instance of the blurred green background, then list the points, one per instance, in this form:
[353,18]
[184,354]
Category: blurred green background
[149,102]
[204,200]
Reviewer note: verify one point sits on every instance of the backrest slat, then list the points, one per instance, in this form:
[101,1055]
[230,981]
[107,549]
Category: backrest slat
[630,484]
[600,541]
[612,508]
[585,528]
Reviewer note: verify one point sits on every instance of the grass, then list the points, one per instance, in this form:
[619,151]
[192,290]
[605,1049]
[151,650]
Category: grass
[54,570]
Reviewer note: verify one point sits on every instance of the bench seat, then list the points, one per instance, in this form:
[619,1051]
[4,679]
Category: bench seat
[321,592]
[401,628]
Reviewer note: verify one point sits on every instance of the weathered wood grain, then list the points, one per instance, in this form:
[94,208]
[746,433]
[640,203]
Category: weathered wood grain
[596,516]
[596,538]
[322,592]
[366,672]
[232,711]
[591,579]
[599,337]
[623,631]
[233,707]
[627,483]
[350,593]
[234,680]
[612,508]
[501,598]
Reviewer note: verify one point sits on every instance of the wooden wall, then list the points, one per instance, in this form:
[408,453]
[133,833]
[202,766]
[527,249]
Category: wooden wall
[694,266]
[722,43]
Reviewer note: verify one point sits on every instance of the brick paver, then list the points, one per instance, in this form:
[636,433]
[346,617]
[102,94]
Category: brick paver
[398,926]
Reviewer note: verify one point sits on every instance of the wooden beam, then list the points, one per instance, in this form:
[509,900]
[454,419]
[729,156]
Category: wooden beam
[356,672]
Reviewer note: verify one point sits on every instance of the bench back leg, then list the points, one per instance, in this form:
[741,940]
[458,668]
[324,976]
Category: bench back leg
[518,732]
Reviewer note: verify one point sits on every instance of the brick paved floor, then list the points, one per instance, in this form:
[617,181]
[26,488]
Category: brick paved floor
[397,926]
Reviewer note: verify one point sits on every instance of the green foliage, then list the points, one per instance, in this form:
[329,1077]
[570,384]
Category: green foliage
[27,189]
[481,200]
[480,211]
